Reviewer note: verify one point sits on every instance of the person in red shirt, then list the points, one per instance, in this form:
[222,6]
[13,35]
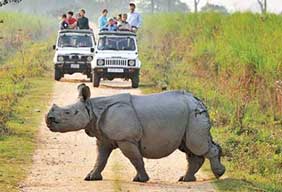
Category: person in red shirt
[71,20]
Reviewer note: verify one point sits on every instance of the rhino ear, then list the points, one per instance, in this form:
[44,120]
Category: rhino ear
[83,92]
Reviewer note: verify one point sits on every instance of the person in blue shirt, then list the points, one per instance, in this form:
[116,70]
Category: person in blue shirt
[134,19]
[103,20]
[111,26]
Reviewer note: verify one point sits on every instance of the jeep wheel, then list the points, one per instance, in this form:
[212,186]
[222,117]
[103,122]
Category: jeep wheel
[135,81]
[90,76]
[110,78]
[96,80]
[58,75]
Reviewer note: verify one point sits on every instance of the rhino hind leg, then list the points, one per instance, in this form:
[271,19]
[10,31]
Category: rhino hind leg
[132,152]
[194,164]
[214,155]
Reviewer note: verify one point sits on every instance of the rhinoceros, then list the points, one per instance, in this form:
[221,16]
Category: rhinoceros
[151,126]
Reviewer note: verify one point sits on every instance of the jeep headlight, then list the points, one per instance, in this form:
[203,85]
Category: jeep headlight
[131,63]
[60,58]
[89,58]
[100,62]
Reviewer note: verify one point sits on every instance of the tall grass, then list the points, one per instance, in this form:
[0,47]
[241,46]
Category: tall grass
[18,29]
[25,87]
[23,58]
[234,63]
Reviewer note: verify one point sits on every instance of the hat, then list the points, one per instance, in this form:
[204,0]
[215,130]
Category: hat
[132,4]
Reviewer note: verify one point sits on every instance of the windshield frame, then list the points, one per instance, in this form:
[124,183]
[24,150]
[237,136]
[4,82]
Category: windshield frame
[91,40]
[121,37]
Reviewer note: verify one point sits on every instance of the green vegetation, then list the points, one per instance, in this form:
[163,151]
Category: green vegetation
[25,81]
[16,149]
[234,63]
[17,30]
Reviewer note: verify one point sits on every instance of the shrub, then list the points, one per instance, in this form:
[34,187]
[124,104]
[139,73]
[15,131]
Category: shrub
[233,62]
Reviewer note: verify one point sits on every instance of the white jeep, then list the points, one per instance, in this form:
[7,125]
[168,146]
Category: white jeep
[74,53]
[116,56]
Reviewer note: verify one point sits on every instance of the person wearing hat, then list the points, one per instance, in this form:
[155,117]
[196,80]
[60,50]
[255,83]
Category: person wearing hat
[134,19]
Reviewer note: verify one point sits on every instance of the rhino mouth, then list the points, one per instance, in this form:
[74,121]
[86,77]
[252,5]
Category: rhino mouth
[50,123]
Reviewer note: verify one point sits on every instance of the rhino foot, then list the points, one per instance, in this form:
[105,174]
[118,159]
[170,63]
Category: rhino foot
[219,171]
[187,179]
[93,177]
[141,179]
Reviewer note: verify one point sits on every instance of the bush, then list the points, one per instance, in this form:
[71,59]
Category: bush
[233,62]
[22,59]
[17,29]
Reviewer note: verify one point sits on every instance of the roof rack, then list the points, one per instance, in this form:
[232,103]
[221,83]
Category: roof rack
[76,31]
[118,33]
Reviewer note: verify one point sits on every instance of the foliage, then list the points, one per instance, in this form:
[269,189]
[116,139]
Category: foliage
[25,81]
[94,7]
[232,62]
[56,8]
[214,8]
[5,2]
[15,33]
[152,6]
[16,149]
[28,61]
[15,78]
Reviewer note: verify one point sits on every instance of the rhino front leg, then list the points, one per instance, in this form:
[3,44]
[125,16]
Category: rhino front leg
[194,164]
[104,152]
[214,155]
[131,151]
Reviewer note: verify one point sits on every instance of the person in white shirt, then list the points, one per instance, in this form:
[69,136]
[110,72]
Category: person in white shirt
[134,19]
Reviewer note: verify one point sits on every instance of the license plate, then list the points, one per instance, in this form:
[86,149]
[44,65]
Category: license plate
[74,66]
[112,70]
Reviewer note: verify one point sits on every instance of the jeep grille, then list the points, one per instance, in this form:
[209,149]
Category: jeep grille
[116,62]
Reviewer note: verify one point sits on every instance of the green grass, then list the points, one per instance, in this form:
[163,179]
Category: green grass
[16,149]
[25,81]
[20,29]
[232,62]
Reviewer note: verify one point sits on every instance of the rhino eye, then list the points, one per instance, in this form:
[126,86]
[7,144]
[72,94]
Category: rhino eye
[67,112]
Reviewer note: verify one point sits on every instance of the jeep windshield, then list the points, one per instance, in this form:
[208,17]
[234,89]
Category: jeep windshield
[75,40]
[117,44]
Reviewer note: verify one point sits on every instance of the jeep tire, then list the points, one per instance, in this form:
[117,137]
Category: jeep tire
[135,80]
[90,76]
[96,80]
[58,75]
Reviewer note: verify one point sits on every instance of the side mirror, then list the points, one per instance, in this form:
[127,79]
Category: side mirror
[92,50]
[54,47]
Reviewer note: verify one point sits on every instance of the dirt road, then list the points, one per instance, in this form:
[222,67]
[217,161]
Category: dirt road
[63,160]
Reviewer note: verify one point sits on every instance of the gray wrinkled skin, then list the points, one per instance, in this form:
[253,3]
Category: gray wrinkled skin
[152,126]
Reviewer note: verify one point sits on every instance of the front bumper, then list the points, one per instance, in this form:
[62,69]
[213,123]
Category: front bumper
[70,68]
[127,72]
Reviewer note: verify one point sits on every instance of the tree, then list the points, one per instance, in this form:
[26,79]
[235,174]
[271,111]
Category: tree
[5,2]
[196,4]
[214,8]
[263,5]
[152,6]
[162,6]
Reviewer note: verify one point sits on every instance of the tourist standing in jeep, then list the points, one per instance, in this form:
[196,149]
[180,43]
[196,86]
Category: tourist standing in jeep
[134,19]
[83,22]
